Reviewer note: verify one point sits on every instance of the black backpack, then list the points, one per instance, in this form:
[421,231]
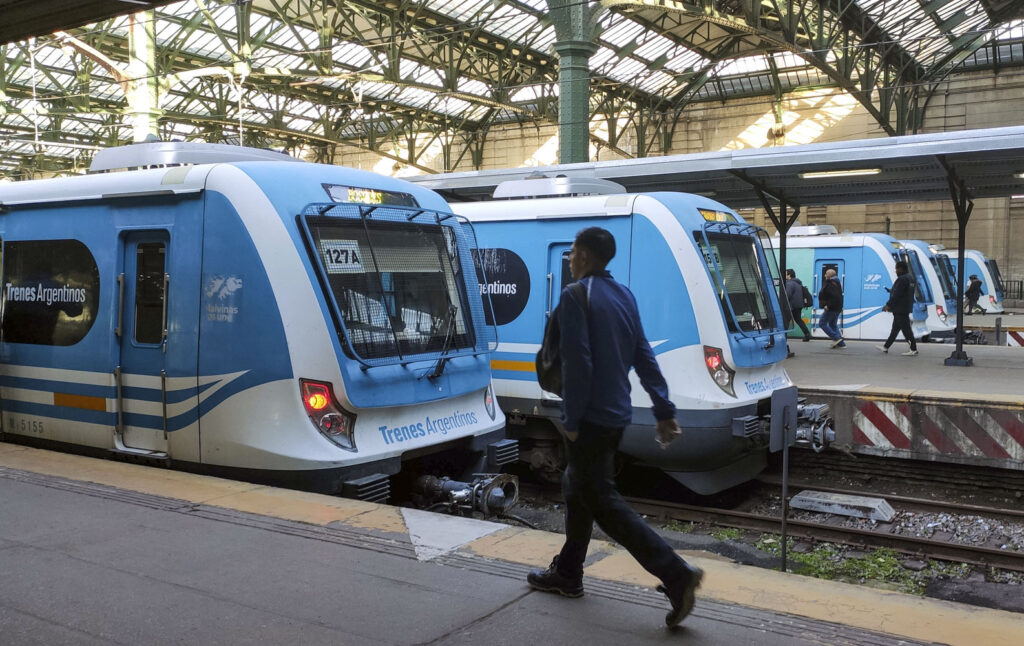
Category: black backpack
[808,299]
[549,358]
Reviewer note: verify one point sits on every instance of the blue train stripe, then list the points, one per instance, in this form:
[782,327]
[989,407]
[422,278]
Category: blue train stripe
[61,412]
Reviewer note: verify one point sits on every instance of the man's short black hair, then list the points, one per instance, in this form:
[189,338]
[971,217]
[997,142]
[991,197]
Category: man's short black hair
[901,265]
[597,241]
[790,273]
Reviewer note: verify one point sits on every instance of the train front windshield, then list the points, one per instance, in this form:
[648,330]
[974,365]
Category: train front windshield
[397,285]
[736,265]
[993,269]
[944,277]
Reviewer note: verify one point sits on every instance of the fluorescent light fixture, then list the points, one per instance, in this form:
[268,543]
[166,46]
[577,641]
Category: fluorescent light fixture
[1017,197]
[840,173]
[1019,175]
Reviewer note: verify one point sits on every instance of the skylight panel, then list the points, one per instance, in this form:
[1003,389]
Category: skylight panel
[531,93]
[654,48]
[656,82]
[745,65]
[685,61]
[623,33]
[474,87]
[1012,30]
[352,54]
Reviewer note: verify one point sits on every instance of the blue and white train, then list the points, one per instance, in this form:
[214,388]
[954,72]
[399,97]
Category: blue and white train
[865,264]
[704,285]
[985,269]
[240,312]
[941,308]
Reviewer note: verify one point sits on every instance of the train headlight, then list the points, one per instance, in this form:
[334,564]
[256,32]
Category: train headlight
[719,370]
[489,401]
[333,421]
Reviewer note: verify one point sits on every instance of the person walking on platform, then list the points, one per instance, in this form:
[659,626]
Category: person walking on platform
[901,304]
[795,295]
[600,341]
[972,295]
[831,299]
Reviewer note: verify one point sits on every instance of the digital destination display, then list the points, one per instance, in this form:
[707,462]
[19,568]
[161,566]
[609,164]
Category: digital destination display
[363,195]
[716,216]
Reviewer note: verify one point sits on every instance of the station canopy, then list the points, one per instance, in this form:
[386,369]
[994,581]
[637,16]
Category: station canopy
[394,76]
[912,168]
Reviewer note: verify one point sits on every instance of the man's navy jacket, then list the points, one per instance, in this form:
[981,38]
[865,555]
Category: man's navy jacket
[598,349]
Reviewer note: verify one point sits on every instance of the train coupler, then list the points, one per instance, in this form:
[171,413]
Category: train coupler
[491,494]
[814,426]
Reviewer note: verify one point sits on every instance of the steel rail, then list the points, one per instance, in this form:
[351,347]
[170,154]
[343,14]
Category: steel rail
[920,547]
[920,503]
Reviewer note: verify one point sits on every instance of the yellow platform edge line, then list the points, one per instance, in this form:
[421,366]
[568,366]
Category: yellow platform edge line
[852,605]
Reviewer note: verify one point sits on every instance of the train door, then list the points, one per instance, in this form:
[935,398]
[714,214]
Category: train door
[820,267]
[558,276]
[142,377]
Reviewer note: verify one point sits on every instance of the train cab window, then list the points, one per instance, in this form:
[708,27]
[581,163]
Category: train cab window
[149,292]
[736,263]
[397,285]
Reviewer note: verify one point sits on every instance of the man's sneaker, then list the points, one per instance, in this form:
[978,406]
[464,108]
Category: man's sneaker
[807,338]
[551,580]
[882,349]
[910,353]
[682,596]
[838,342]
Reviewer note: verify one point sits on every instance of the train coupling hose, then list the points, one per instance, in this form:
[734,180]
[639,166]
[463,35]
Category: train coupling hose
[491,494]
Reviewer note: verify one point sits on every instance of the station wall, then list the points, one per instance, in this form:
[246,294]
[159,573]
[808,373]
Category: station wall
[981,100]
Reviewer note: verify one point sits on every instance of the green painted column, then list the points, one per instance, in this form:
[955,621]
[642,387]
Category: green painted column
[144,86]
[575,27]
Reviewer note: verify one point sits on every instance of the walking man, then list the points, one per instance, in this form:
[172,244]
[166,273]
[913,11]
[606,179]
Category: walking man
[600,342]
[972,295]
[901,304]
[831,299]
[795,296]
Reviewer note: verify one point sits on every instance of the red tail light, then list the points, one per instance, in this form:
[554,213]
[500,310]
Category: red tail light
[719,370]
[336,424]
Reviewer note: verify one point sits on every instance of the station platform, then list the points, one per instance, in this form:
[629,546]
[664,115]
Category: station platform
[101,552]
[917,407]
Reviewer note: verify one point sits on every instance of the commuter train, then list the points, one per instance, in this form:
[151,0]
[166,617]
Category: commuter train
[706,291]
[240,312]
[985,269]
[941,318]
[865,264]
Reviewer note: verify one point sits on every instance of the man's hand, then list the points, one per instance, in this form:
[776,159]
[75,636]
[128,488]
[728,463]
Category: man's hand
[666,431]
[885,308]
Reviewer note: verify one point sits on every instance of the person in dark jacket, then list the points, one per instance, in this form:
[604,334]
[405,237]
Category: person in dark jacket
[831,300]
[901,304]
[599,346]
[972,295]
[795,296]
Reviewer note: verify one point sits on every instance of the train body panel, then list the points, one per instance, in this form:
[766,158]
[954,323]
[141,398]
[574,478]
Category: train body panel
[669,252]
[866,266]
[991,285]
[207,314]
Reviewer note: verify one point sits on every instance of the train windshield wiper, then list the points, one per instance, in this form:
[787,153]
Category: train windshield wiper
[446,347]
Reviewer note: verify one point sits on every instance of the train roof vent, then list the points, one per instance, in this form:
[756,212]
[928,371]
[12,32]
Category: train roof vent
[177,153]
[538,185]
[814,230]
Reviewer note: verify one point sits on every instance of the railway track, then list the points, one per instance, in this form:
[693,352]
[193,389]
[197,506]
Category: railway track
[862,538]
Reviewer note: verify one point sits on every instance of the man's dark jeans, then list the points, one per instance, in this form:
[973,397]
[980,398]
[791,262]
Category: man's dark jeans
[590,495]
[901,323]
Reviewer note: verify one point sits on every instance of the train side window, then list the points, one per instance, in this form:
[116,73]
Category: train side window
[149,292]
[566,272]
